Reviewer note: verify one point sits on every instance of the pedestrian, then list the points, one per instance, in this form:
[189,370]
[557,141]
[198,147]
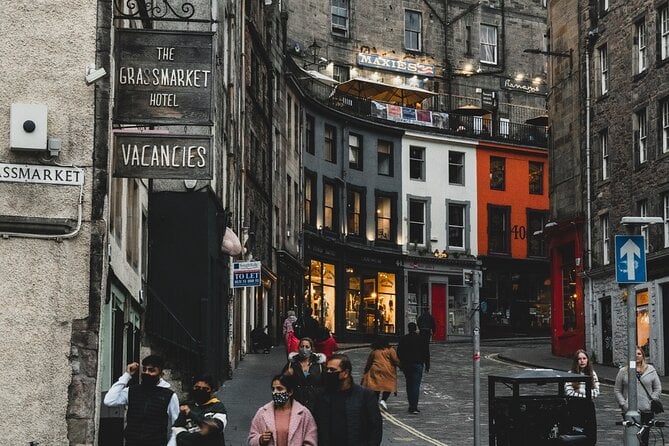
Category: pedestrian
[648,387]
[346,414]
[289,338]
[380,374]
[306,367]
[326,343]
[152,406]
[426,324]
[307,326]
[202,420]
[581,365]
[414,353]
[283,421]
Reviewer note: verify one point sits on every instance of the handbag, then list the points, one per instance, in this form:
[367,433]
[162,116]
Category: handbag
[655,404]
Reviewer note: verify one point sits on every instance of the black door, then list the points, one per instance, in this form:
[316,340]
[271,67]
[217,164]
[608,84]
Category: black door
[665,318]
[607,331]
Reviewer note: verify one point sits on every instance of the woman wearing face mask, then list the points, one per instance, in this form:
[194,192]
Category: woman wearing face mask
[306,366]
[283,421]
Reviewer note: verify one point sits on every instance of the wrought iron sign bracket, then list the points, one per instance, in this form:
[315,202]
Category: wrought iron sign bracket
[157,10]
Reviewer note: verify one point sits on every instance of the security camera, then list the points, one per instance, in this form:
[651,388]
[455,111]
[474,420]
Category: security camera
[92,75]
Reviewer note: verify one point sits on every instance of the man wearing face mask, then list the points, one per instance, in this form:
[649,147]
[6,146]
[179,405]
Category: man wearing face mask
[347,414]
[203,419]
[152,406]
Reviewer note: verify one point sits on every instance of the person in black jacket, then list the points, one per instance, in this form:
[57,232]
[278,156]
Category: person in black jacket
[306,367]
[202,420]
[346,414]
[426,324]
[414,352]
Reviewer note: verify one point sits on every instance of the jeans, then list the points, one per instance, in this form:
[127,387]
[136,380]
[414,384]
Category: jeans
[413,374]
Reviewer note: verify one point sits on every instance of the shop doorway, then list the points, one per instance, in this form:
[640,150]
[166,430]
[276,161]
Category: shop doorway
[439,311]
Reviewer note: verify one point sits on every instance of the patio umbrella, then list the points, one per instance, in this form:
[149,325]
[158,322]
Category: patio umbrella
[470,110]
[369,89]
[541,120]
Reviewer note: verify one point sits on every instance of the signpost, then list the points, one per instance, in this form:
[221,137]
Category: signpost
[245,274]
[631,269]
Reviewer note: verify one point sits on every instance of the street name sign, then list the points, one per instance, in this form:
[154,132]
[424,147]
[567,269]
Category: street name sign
[630,259]
[41,173]
[246,274]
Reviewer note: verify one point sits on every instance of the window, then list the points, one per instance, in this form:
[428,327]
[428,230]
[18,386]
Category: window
[118,205]
[417,222]
[603,69]
[311,140]
[606,239]
[277,227]
[412,30]
[354,151]
[663,25]
[456,167]
[289,122]
[330,144]
[664,107]
[341,73]
[640,137]
[604,146]
[536,178]
[499,236]
[309,194]
[456,226]
[640,46]
[289,203]
[340,18]
[384,151]
[468,40]
[329,206]
[417,163]
[536,220]
[133,228]
[504,124]
[497,173]
[354,206]
[643,212]
[603,6]
[383,217]
[488,44]
[665,206]
[296,206]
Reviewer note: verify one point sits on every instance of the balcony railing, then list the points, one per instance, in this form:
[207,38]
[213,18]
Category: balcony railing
[453,123]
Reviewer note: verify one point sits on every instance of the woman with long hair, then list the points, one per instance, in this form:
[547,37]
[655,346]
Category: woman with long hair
[306,367]
[582,366]
[283,421]
[380,374]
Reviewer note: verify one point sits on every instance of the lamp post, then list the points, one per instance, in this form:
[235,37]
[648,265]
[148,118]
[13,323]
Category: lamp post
[316,59]
[632,413]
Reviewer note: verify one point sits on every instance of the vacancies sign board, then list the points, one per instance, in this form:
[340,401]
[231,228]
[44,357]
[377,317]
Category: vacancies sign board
[163,77]
[141,155]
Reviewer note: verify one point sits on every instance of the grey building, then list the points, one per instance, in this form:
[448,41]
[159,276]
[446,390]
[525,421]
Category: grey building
[609,122]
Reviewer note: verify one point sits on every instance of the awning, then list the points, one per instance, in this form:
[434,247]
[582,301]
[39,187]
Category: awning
[378,91]
[541,120]
[321,77]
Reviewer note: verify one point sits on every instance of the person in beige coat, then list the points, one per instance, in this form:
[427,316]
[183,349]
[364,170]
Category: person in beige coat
[380,373]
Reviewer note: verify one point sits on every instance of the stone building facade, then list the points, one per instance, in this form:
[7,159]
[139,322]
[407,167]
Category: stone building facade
[609,161]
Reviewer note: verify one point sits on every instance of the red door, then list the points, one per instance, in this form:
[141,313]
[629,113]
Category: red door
[439,311]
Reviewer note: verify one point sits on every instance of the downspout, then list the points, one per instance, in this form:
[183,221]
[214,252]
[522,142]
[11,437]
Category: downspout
[242,167]
[587,275]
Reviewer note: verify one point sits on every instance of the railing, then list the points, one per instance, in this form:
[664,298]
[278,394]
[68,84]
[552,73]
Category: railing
[164,324]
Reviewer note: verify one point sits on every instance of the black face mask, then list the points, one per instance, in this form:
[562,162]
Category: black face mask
[331,381]
[200,396]
[150,380]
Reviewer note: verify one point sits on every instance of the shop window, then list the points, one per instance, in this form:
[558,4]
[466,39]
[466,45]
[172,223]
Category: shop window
[417,163]
[387,303]
[458,313]
[569,295]
[354,207]
[383,218]
[642,320]
[497,173]
[499,236]
[370,302]
[353,300]
[322,293]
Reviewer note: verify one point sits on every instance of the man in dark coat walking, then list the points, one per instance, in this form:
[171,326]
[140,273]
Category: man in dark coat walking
[426,324]
[347,414]
[414,352]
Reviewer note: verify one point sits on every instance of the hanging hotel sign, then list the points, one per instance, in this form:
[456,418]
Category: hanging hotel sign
[163,77]
[526,87]
[43,174]
[140,155]
[398,65]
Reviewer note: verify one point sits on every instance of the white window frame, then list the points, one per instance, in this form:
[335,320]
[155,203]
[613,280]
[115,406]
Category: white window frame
[663,18]
[504,124]
[665,125]
[603,69]
[605,5]
[665,206]
[462,228]
[641,46]
[606,239]
[604,145]
[459,166]
[643,212]
[641,130]
[413,222]
[418,32]
[420,160]
[486,40]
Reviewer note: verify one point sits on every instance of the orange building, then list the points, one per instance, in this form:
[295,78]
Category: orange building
[512,197]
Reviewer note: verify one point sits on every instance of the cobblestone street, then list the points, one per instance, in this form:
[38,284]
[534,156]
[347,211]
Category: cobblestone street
[446,401]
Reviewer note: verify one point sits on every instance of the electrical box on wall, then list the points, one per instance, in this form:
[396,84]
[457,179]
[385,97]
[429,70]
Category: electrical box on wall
[27,129]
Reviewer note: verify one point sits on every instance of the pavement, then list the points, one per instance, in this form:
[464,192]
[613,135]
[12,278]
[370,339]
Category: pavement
[447,408]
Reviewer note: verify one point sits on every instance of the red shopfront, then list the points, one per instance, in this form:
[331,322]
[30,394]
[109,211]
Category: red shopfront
[568,316]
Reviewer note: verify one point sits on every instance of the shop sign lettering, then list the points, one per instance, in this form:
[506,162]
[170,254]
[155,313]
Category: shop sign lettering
[402,66]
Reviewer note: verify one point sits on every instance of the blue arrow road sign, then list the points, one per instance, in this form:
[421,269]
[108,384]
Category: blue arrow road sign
[630,259]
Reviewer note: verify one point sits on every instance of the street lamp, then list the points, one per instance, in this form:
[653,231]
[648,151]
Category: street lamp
[317,60]
[632,413]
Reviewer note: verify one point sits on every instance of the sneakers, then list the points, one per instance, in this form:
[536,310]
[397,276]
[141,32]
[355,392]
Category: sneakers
[414,411]
[383,404]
